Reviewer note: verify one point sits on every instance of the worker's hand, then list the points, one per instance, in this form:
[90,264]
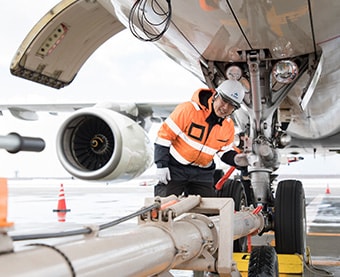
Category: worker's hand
[163,175]
[241,160]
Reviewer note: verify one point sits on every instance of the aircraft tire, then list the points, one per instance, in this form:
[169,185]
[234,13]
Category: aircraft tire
[263,262]
[218,174]
[290,218]
[233,188]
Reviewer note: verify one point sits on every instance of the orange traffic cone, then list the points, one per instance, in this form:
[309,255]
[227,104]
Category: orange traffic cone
[3,204]
[328,191]
[61,205]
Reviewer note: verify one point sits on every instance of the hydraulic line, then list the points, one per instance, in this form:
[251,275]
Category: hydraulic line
[85,230]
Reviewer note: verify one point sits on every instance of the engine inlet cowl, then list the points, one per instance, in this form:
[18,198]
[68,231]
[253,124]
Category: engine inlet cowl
[101,144]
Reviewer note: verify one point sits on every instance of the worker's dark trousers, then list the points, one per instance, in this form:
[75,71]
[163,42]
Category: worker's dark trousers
[188,180]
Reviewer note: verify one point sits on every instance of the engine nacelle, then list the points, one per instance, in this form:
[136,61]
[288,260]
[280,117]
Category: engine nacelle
[101,144]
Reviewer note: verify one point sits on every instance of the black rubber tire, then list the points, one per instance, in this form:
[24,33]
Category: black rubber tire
[263,262]
[290,218]
[218,174]
[233,188]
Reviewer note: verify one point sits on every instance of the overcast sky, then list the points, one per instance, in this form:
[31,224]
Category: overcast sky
[124,69]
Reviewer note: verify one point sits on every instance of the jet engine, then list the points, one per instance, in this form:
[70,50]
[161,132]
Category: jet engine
[101,144]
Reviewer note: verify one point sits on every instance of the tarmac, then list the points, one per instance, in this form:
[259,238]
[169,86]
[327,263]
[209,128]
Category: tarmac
[98,203]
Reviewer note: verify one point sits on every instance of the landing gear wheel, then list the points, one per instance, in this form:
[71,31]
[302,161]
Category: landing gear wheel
[218,174]
[263,262]
[290,218]
[233,188]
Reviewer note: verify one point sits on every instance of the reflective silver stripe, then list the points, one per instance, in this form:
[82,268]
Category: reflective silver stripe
[183,161]
[197,107]
[173,126]
[225,149]
[177,156]
[196,145]
[163,142]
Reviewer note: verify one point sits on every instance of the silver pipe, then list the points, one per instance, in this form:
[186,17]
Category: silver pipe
[146,250]
[254,71]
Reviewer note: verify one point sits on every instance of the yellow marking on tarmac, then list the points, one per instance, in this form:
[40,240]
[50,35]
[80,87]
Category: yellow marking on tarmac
[242,260]
[323,234]
[288,264]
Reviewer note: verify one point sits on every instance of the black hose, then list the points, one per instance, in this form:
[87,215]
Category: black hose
[85,230]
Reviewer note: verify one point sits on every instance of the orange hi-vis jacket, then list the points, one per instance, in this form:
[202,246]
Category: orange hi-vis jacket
[186,132]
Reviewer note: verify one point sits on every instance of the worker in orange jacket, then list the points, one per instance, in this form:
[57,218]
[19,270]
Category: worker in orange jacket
[192,135]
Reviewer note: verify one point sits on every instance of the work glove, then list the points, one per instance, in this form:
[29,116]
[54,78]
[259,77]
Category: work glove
[241,160]
[163,175]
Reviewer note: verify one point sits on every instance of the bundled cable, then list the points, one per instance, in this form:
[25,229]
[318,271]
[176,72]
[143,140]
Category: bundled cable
[85,230]
[148,20]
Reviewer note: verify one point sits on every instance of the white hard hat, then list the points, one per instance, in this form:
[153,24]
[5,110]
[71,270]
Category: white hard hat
[232,91]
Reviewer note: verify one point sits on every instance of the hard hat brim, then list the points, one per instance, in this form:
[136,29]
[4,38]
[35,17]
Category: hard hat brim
[229,100]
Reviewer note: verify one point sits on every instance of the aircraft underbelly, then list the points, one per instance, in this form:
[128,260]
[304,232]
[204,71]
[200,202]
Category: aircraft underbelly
[217,31]
[57,47]
[203,30]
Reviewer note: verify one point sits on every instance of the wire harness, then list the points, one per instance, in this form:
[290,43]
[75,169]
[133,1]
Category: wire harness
[148,20]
